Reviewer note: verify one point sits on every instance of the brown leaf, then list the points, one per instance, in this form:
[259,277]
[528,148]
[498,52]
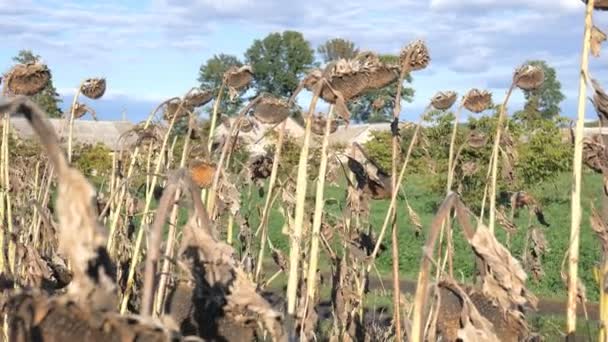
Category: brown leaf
[597,38]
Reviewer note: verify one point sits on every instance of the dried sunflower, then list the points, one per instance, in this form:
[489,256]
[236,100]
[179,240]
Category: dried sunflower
[237,79]
[94,88]
[477,139]
[414,56]
[198,98]
[271,110]
[477,100]
[348,79]
[27,79]
[176,107]
[529,77]
[444,100]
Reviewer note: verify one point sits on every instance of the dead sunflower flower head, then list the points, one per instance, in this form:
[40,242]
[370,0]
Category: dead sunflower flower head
[319,122]
[444,100]
[271,110]
[477,139]
[529,77]
[238,78]
[177,108]
[477,100]
[414,56]
[27,79]
[198,98]
[93,88]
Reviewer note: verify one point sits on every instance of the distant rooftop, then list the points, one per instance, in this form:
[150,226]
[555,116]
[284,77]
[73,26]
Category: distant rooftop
[85,131]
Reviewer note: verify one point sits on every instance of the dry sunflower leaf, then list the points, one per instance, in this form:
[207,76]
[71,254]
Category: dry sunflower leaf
[597,38]
[414,218]
[81,110]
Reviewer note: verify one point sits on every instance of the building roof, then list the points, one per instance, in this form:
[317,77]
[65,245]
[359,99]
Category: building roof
[85,131]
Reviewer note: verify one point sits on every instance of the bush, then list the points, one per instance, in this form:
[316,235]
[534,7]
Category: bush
[544,155]
[93,160]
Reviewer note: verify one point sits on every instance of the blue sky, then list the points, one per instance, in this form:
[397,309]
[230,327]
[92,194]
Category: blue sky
[152,50]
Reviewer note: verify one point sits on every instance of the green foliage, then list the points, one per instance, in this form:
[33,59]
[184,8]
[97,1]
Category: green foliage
[363,108]
[211,74]
[543,102]
[336,48]
[290,156]
[279,61]
[544,155]
[93,160]
[379,149]
[48,99]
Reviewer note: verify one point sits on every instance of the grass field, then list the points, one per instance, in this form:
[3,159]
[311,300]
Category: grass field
[555,199]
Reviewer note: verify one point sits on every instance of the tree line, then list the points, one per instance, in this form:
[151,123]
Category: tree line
[281,59]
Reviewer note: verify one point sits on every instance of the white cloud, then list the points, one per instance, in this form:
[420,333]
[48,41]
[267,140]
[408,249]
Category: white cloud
[562,5]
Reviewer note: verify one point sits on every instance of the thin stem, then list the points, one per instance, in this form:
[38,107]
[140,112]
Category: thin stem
[318,214]
[577,178]
[301,185]
[71,120]
[494,163]
[394,234]
[266,210]
[216,106]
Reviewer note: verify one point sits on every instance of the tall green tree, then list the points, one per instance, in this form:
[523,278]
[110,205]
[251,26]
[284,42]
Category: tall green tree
[210,77]
[545,101]
[337,48]
[48,99]
[279,61]
[377,105]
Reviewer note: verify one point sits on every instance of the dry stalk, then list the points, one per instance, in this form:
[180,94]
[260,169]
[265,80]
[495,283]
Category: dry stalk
[216,106]
[230,140]
[495,152]
[116,214]
[301,186]
[145,216]
[577,178]
[71,120]
[318,213]
[171,235]
[392,206]
[393,213]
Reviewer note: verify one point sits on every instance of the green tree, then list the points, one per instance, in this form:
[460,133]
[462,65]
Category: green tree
[543,102]
[337,48]
[377,105]
[48,99]
[211,74]
[279,61]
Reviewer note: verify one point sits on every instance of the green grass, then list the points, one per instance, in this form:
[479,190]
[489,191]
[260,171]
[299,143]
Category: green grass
[555,199]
